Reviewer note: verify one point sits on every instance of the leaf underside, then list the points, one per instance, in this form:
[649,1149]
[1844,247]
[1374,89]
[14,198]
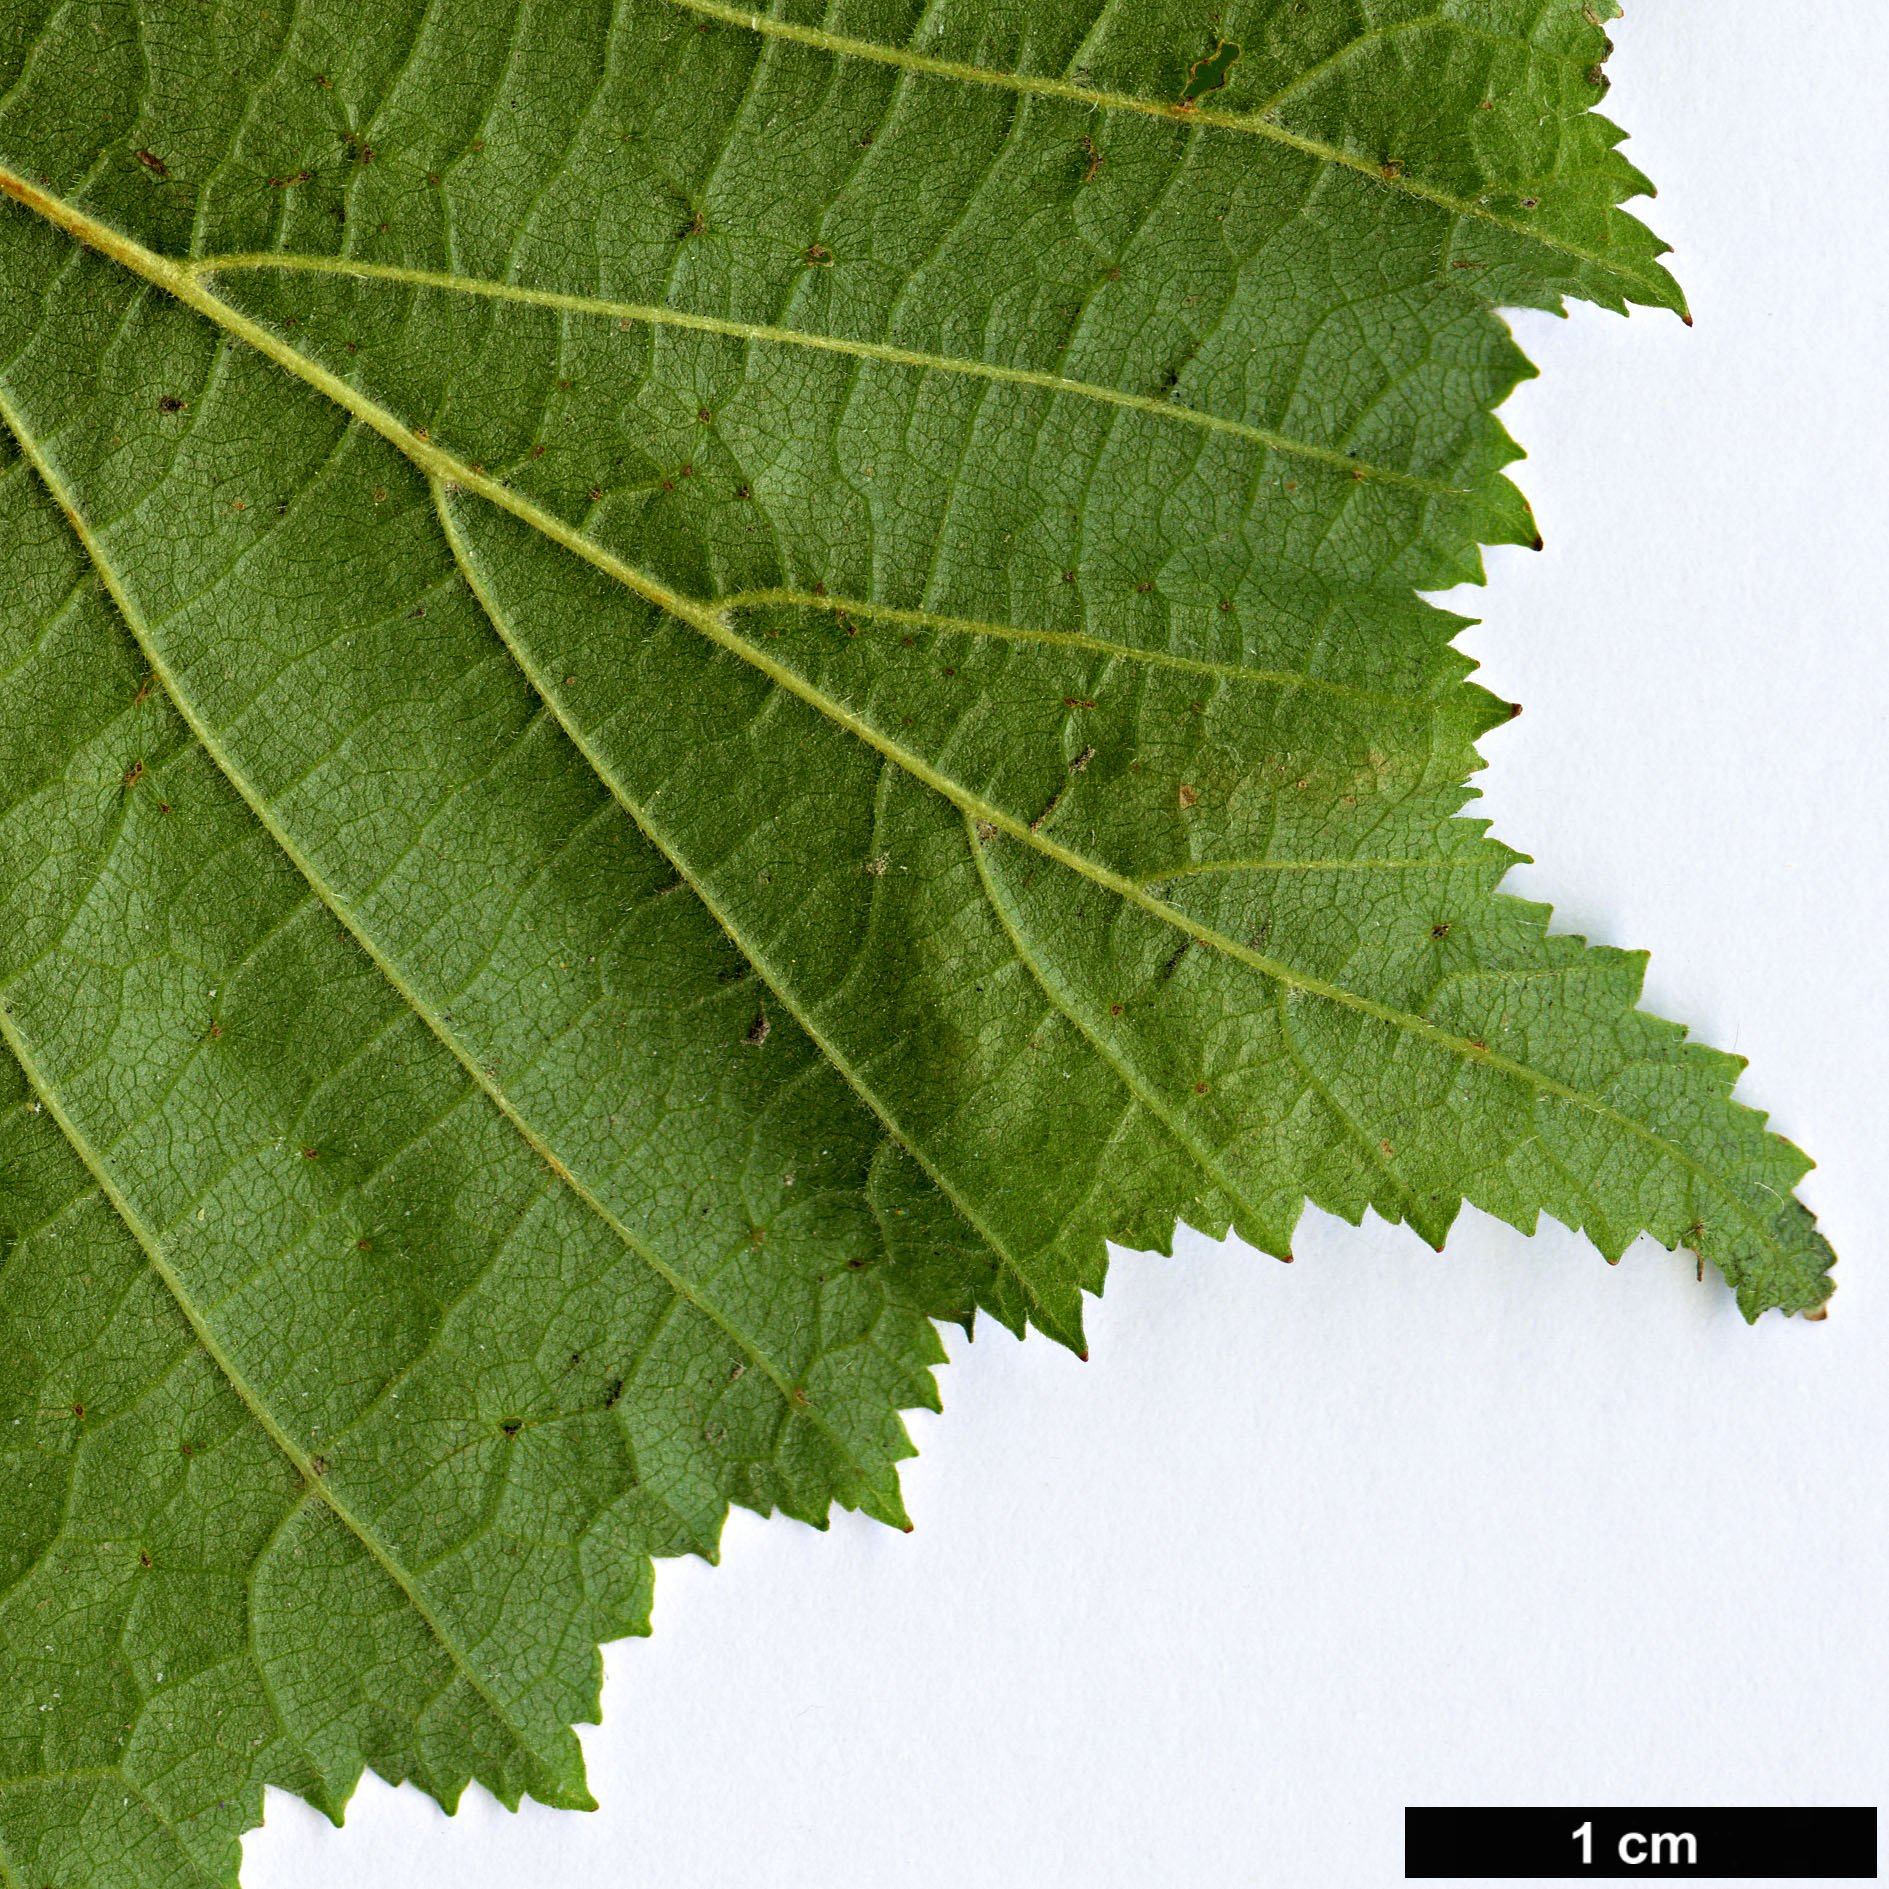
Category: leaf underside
[684,690]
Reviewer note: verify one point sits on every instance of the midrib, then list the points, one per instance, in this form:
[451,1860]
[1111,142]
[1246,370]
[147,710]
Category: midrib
[446,469]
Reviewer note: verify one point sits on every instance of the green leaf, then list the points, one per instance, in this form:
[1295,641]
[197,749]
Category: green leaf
[685,689]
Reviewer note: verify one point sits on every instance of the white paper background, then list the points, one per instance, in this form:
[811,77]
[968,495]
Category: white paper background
[1305,1544]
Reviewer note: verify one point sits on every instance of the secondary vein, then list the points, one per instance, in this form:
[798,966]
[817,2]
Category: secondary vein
[655,315]
[1390,177]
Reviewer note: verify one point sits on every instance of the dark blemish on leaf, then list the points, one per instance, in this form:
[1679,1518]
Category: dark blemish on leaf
[216,1032]
[1080,765]
[511,1427]
[668,485]
[951,672]
[1115,1010]
[319,1464]
[1530,203]
[78,1410]
[799,1396]
[418,610]
[1487,105]
[1537,545]
[1054,799]
[322,79]
[169,403]
[1187,795]
[1197,708]
[687,472]
[1387,1151]
[1168,969]
[144,1560]
[1078,701]
[187,1449]
[1515,708]
[818,254]
[144,689]
[134,773]
[1200,1088]
[744,491]
[1391,169]
[819,589]
[1141,590]
[364,1246]
[163,806]
[865,137]
[1440,931]
[612,1394]
[703,414]
[757,1031]
[1069,577]
[986,832]
[478,144]
[152,163]
[311,1154]
[1226,604]
[596,491]
[908,642]
[1091,151]
[294,177]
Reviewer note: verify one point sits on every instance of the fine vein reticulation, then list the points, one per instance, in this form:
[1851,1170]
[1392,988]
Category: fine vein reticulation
[688,688]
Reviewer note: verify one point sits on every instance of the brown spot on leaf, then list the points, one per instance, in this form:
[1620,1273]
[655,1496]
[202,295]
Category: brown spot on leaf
[757,1031]
[151,162]
[1187,795]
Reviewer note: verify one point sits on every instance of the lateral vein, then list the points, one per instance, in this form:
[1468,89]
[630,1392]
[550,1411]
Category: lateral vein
[1173,111]
[655,315]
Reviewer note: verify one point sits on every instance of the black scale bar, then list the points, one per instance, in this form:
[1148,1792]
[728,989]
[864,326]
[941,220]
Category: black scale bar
[1568,1845]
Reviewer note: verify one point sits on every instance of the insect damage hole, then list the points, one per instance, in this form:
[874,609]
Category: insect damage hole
[1210,73]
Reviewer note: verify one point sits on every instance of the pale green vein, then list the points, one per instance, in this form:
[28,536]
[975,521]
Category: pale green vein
[1374,1152]
[654,315]
[257,1406]
[1199,868]
[553,698]
[1146,1093]
[1175,111]
[714,624]
[791,1394]
[1068,639]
